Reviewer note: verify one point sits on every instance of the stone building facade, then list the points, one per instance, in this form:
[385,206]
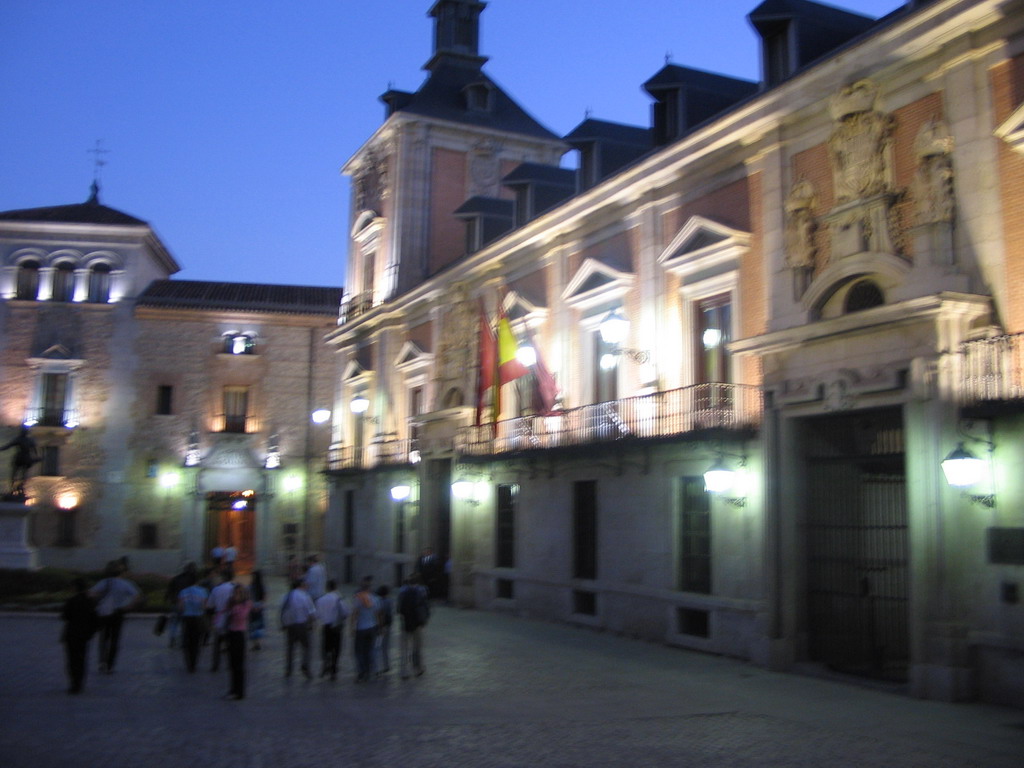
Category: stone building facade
[817,271]
[170,415]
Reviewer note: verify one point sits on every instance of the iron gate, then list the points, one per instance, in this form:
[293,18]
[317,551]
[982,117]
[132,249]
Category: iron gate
[856,544]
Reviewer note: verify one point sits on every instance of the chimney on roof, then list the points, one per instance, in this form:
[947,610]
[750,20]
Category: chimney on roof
[456,33]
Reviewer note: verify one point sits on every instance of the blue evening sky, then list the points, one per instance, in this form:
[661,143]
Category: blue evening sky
[227,121]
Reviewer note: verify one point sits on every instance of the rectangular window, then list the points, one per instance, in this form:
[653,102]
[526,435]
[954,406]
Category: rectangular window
[415,409]
[164,400]
[695,537]
[54,399]
[50,466]
[147,536]
[714,332]
[584,533]
[606,370]
[236,409]
[505,531]
[350,519]
[66,528]
[99,284]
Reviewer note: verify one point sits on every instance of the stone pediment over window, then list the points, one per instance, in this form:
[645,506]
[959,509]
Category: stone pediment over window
[703,244]
[368,223]
[56,352]
[354,371]
[1012,129]
[596,283]
[518,308]
[411,358]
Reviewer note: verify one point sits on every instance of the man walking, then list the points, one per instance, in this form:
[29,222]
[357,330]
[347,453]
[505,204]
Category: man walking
[79,616]
[220,596]
[297,615]
[192,607]
[331,613]
[115,596]
[316,577]
[414,609]
[365,626]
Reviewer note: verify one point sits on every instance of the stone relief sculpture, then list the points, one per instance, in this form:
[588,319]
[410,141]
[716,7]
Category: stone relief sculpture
[371,181]
[863,219]
[455,364]
[932,188]
[800,248]
[485,169]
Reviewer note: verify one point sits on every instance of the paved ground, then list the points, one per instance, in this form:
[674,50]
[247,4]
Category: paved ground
[498,692]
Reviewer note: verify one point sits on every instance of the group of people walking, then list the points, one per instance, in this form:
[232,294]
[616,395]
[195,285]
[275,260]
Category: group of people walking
[213,608]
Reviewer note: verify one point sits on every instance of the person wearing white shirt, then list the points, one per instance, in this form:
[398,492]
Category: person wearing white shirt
[297,615]
[316,578]
[114,596]
[217,603]
[331,613]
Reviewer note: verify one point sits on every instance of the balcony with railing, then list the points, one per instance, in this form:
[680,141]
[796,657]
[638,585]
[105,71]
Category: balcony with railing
[992,370]
[646,417]
[384,452]
[47,416]
[354,305]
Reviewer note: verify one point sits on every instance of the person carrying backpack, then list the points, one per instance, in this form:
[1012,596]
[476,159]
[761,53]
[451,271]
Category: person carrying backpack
[414,609]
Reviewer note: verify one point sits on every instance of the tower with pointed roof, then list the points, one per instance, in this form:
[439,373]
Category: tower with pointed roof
[448,142]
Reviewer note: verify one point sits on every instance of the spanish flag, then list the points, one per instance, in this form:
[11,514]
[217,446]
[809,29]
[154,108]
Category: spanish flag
[509,367]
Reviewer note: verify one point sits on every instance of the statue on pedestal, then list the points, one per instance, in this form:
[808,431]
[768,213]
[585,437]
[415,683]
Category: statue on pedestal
[25,455]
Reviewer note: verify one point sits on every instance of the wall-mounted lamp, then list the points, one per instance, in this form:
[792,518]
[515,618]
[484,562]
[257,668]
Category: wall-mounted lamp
[400,492]
[322,415]
[360,404]
[614,329]
[721,480]
[273,459]
[169,479]
[963,469]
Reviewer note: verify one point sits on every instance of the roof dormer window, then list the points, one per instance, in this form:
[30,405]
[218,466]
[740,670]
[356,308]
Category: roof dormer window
[479,97]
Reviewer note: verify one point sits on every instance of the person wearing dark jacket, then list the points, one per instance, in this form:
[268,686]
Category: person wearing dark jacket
[80,622]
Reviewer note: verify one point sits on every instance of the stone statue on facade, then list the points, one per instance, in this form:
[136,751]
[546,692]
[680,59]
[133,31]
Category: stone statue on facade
[485,170]
[932,188]
[801,226]
[25,455]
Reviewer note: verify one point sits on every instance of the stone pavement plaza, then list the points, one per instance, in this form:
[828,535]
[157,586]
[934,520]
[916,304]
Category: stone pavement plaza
[498,691]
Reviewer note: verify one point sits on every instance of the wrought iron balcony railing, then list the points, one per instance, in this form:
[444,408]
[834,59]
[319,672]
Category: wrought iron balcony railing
[385,452]
[51,417]
[992,369]
[661,414]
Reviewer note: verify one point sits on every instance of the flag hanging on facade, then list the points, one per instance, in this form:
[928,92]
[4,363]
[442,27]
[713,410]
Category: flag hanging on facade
[509,366]
[545,389]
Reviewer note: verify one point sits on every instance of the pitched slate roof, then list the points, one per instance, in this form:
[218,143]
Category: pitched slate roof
[442,96]
[91,212]
[675,76]
[479,205]
[253,297]
[592,129]
[538,173]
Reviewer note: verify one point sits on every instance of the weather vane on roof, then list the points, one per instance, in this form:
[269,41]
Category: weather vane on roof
[97,164]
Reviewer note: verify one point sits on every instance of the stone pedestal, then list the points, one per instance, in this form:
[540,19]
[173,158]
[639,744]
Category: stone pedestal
[15,551]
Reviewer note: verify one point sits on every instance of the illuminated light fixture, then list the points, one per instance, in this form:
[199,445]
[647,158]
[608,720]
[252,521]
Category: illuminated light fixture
[169,479]
[321,415]
[359,404]
[273,460]
[249,493]
[67,500]
[292,483]
[414,457]
[400,492]
[71,420]
[192,457]
[240,504]
[527,355]
[614,327]
[962,468]
[462,489]
[608,362]
[711,338]
[721,480]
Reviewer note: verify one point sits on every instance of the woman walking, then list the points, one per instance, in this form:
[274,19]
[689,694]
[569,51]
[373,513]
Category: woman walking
[239,608]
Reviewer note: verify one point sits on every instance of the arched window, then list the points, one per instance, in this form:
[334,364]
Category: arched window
[99,283]
[63,282]
[28,280]
[864,295]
